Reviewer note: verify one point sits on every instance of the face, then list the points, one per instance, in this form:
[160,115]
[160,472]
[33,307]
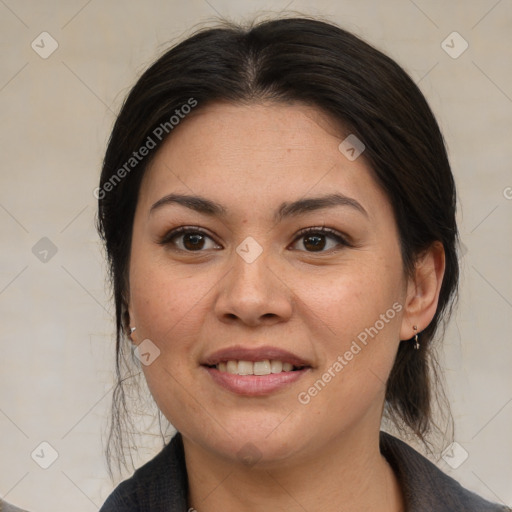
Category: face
[243,281]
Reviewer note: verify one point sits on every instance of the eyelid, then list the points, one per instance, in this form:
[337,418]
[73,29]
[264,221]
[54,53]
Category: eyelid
[342,239]
[166,239]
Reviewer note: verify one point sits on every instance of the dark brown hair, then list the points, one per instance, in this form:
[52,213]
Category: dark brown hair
[316,63]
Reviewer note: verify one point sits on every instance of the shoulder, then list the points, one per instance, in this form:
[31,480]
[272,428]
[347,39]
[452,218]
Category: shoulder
[425,486]
[160,484]
[123,497]
[7,507]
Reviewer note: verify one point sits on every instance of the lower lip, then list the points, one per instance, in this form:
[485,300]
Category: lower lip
[254,385]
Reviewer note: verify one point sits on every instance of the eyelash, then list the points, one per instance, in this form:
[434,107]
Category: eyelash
[183,230]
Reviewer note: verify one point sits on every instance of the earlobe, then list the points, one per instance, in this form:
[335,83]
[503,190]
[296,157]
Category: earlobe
[423,291]
[126,316]
[128,321]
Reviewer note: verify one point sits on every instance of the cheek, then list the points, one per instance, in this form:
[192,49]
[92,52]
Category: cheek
[168,307]
[354,298]
[355,318]
[167,299]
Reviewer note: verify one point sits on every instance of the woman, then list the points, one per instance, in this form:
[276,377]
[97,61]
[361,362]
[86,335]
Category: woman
[278,212]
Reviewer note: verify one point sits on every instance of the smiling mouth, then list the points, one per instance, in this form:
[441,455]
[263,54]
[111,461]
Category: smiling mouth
[264,367]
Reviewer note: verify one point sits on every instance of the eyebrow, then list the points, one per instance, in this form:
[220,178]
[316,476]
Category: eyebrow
[285,210]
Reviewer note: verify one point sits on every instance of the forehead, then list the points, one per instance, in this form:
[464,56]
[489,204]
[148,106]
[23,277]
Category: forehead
[258,155]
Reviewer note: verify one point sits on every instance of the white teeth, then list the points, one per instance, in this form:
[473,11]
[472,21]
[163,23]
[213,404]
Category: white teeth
[276,366]
[265,367]
[231,367]
[245,368]
[262,367]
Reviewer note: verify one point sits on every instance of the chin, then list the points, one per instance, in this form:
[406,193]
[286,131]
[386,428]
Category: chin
[251,440]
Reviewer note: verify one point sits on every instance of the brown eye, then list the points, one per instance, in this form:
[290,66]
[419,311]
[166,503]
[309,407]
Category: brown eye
[187,239]
[314,239]
[192,241]
[314,242]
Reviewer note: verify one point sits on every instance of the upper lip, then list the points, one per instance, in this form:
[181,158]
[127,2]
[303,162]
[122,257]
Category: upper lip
[240,353]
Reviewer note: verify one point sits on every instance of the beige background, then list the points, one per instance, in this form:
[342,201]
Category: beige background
[56,319]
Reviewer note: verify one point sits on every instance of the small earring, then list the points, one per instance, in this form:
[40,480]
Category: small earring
[132,329]
[416,342]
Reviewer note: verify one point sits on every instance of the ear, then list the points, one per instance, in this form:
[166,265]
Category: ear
[423,289]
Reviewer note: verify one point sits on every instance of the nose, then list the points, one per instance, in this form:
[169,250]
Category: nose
[254,292]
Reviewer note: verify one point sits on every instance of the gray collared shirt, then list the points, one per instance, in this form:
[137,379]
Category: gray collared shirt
[161,485]
[7,507]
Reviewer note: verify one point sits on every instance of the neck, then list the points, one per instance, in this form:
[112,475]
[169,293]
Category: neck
[347,473]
